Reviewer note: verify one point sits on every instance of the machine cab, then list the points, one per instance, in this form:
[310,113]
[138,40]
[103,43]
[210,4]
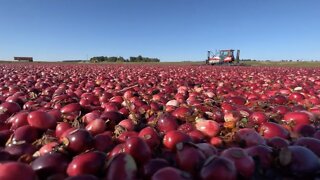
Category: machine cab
[227,55]
[221,56]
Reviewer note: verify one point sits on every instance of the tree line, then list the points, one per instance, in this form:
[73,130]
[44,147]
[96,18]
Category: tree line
[121,59]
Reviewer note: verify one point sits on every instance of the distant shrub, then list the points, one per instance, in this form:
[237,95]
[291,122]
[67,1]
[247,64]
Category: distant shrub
[121,59]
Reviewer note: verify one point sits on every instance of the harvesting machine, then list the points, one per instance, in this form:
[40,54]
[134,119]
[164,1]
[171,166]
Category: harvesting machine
[221,57]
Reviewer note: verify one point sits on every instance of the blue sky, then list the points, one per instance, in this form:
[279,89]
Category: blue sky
[172,30]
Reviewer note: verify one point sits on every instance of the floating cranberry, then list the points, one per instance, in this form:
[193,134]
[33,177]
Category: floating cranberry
[9,108]
[50,164]
[18,120]
[78,140]
[270,130]
[41,120]
[172,138]
[167,123]
[138,149]
[26,134]
[153,166]
[248,137]
[122,166]
[243,162]
[87,163]
[16,170]
[189,158]
[218,168]
[170,173]
[208,127]
[150,136]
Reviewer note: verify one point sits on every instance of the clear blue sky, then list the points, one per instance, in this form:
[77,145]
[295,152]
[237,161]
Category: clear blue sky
[172,30]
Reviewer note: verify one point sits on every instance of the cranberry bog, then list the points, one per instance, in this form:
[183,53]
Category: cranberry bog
[151,121]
